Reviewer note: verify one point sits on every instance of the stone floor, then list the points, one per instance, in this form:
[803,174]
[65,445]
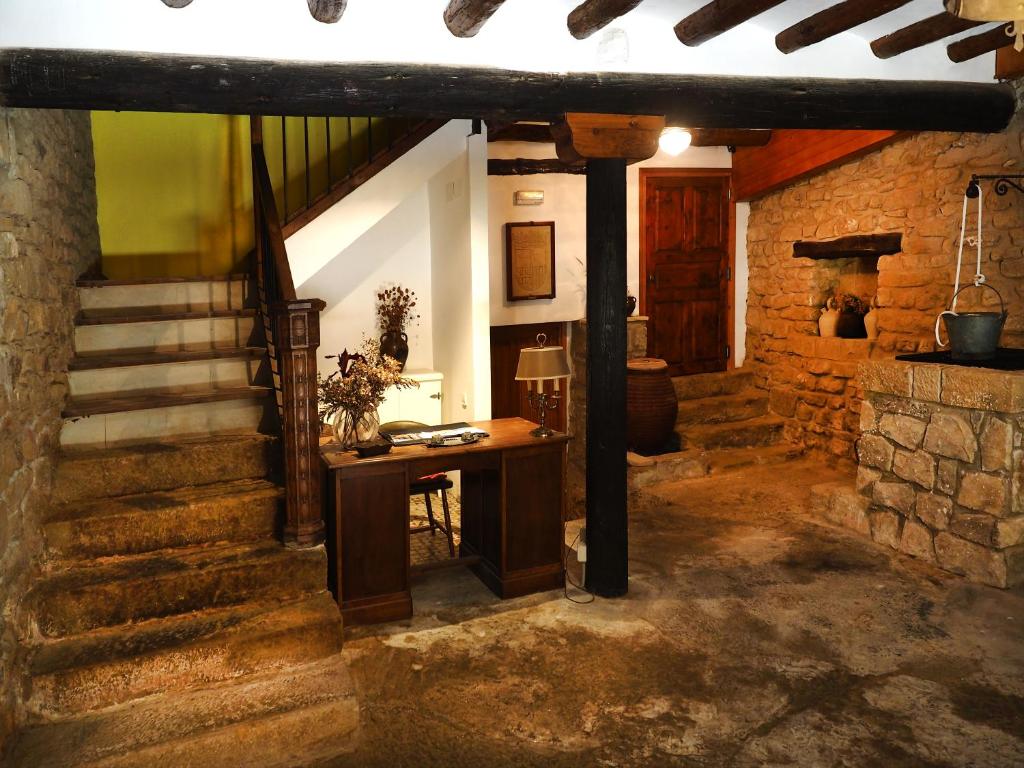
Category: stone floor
[751,636]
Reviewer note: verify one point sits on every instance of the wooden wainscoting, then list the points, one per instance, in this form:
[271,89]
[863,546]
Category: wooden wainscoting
[508,396]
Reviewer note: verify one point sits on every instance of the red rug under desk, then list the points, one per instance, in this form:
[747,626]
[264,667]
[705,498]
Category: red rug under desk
[513,502]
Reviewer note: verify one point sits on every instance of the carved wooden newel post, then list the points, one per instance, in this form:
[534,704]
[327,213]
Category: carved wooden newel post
[606,142]
[297,332]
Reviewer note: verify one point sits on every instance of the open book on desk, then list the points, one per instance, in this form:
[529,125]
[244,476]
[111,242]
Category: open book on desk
[422,435]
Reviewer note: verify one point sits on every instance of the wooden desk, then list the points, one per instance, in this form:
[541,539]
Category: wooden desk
[513,498]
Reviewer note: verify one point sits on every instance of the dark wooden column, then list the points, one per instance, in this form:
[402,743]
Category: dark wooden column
[607,520]
[297,333]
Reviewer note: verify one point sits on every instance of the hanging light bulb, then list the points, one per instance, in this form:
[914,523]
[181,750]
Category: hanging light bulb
[993,10]
[674,140]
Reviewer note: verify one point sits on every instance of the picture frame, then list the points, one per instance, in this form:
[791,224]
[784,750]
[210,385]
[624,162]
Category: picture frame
[529,260]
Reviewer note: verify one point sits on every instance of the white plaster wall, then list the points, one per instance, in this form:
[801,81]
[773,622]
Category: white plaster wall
[525,34]
[564,203]
[741,275]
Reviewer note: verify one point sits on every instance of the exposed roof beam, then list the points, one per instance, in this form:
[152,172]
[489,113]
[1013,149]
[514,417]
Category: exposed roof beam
[920,33]
[464,18]
[832,21]
[522,166]
[718,17]
[591,15]
[976,45]
[327,11]
[725,137]
[540,132]
[119,80]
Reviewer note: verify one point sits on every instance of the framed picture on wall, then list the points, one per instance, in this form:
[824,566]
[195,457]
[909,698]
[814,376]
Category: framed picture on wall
[530,260]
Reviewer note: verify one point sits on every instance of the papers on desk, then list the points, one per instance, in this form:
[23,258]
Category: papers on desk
[414,437]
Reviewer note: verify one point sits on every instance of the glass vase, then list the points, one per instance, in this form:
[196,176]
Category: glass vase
[350,428]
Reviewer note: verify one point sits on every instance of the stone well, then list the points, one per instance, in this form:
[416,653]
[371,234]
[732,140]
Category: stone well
[940,473]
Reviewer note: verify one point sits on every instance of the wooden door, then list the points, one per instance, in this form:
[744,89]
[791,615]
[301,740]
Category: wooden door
[684,267]
[508,396]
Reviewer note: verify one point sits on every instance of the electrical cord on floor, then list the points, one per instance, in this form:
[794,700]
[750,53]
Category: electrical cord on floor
[568,580]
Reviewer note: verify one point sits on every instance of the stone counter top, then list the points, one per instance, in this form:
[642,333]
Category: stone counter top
[959,386]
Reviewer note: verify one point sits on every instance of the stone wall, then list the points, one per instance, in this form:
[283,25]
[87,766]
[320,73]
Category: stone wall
[914,186]
[636,346]
[941,475]
[48,237]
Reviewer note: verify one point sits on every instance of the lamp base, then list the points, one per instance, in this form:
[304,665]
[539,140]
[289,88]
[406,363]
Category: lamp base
[543,431]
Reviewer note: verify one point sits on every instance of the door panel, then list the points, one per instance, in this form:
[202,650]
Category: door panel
[685,258]
[508,396]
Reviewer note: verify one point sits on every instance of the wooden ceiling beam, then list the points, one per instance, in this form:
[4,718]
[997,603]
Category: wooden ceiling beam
[522,166]
[923,32]
[591,15]
[464,18]
[132,81]
[977,45]
[327,11]
[580,136]
[533,132]
[718,17]
[724,137]
[832,21]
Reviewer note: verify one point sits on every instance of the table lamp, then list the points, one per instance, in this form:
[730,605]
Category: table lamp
[540,364]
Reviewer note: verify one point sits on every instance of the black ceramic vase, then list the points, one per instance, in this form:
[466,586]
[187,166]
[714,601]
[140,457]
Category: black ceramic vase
[630,305]
[395,344]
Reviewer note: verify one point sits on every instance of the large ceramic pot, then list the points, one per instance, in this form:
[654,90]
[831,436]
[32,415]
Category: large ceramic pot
[395,344]
[651,405]
[349,429]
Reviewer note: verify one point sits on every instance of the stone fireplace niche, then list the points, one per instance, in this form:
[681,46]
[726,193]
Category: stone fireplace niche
[848,264]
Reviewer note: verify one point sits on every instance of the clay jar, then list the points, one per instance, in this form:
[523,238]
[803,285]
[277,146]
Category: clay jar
[651,405]
[829,319]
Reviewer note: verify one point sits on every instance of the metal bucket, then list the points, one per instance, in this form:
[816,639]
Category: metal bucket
[972,335]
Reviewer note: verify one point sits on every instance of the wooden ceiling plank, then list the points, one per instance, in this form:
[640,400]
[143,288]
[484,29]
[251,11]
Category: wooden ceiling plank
[591,15]
[327,11]
[977,45]
[464,18]
[127,81]
[832,21]
[923,32]
[717,17]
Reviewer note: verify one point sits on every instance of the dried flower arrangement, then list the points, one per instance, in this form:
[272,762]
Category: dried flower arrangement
[395,308]
[357,388]
[847,302]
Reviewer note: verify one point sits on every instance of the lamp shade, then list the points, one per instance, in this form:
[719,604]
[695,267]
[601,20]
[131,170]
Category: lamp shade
[538,363]
[986,10]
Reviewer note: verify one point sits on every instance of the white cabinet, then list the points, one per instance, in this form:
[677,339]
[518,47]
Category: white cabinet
[422,404]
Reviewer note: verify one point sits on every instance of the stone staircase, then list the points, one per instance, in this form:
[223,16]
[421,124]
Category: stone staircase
[170,626]
[723,424]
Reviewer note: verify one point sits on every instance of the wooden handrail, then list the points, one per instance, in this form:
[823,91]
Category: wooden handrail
[263,192]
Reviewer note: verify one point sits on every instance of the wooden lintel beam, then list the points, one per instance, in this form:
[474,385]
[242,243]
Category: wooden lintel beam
[326,11]
[832,21]
[522,166]
[724,137]
[591,15]
[717,17]
[532,132]
[116,80]
[929,30]
[581,136]
[847,247]
[464,18]
[977,45]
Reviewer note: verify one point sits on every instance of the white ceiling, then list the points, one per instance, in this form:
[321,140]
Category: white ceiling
[523,34]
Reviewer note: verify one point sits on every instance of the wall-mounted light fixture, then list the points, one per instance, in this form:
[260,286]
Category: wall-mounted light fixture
[674,140]
[528,197]
[993,10]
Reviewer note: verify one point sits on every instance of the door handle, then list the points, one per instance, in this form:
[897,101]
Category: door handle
[653,279]
[436,396]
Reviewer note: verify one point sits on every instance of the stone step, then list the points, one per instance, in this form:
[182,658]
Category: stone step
[162,466]
[172,582]
[218,372]
[169,335]
[94,405]
[224,413]
[643,471]
[125,315]
[235,511]
[730,459]
[171,295]
[110,666]
[712,384]
[296,716]
[125,359]
[748,404]
[762,431]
